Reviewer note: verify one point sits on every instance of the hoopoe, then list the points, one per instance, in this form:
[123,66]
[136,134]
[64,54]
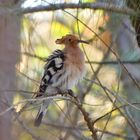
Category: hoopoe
[63,70]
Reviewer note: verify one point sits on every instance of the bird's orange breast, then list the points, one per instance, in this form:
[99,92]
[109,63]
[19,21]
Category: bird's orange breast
[75,66]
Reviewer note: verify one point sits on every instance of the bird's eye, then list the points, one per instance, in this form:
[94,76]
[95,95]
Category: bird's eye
[69,39]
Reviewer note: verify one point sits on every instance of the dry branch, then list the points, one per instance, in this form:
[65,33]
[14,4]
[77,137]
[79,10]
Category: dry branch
[68,127]
[87,119]
[93,6]
[61,6]
[74,100]
[112,62]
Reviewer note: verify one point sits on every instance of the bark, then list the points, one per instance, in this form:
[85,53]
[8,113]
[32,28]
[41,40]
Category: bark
[9,51]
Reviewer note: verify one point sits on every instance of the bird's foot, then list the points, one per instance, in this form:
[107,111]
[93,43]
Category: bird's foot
[61,92]
[66,93]
[70,92]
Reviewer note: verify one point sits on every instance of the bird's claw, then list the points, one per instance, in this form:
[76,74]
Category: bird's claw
[66,92]
[70,92]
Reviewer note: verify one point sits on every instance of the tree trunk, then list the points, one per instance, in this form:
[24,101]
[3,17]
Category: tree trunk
[9,54]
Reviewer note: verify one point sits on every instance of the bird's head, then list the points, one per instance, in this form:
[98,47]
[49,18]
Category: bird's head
[70,40]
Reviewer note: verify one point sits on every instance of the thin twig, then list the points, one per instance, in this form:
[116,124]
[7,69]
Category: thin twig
[28,130]
[122,106]
[54,96]
[86,116]
[91,62]
[113,104]
[64,127]
[106,90]
[112,51]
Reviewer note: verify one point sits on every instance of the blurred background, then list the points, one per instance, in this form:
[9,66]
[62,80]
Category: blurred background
[110,91]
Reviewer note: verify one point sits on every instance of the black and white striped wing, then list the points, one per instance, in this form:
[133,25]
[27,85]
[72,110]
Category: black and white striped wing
[53,66]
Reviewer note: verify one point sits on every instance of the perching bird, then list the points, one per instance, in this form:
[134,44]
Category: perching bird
[63,70]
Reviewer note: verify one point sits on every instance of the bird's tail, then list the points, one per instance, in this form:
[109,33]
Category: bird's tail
[41,113]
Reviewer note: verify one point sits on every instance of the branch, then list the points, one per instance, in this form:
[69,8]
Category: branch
[115,62]
[111,50]
[127,119]
[116,135]
[91,62]
[62,6]
[115,109]
[26,128]
[71,98]
[87,119]
[31,101]
[64,127]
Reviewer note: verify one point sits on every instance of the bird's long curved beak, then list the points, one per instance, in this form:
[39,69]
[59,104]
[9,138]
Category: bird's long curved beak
[82,41]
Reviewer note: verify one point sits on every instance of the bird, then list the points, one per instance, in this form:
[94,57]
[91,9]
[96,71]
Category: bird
[63,69]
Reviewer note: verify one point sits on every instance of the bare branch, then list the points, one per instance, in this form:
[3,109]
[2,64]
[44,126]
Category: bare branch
[64,127]
[28,130]
[112,62]
[85,115]
[93,6]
